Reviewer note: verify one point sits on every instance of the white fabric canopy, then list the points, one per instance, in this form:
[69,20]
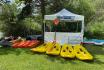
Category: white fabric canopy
[65,15]
[65,37]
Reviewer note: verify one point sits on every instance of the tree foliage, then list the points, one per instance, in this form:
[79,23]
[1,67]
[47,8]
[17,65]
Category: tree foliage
[82,7]
[11,25]
[11,21]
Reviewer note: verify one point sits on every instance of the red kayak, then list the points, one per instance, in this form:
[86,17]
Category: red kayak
[33,43]
[15,45]
[26,44]
[21,44]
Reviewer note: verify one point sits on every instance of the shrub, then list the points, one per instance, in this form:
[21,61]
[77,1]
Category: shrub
[95,30]
[10,25]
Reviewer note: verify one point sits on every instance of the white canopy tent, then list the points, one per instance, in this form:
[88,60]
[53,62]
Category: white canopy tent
[67,16]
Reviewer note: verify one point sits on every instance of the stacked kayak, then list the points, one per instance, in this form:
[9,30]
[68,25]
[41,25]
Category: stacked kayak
[67,51]
[25,44]
[54,49]
[93,41]
[81,53]
[42,48]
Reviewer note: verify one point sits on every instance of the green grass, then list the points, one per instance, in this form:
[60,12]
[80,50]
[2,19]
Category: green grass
[24,59]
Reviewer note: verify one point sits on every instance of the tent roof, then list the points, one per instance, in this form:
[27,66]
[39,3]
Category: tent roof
[64,15]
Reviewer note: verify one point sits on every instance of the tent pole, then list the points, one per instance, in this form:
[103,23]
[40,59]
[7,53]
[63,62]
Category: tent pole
[82,31]
[55,35]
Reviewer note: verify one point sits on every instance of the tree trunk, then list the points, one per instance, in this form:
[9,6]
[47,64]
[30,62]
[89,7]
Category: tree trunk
[43,13]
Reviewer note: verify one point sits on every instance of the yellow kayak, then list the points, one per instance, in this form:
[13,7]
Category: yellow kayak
[81,53]
[54,49]
[41,48]
[67,51]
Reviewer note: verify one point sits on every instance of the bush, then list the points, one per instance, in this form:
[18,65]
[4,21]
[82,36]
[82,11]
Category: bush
[28,27]
[10,25]
[95,30]
[21,28]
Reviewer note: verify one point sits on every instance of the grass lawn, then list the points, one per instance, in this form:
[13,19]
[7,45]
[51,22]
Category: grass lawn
[24,59]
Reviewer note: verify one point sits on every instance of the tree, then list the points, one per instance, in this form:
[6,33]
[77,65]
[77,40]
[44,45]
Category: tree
[10,25]
[26,11]
[82,7]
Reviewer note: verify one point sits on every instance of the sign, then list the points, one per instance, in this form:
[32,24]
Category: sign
[66,17]
[56,21]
